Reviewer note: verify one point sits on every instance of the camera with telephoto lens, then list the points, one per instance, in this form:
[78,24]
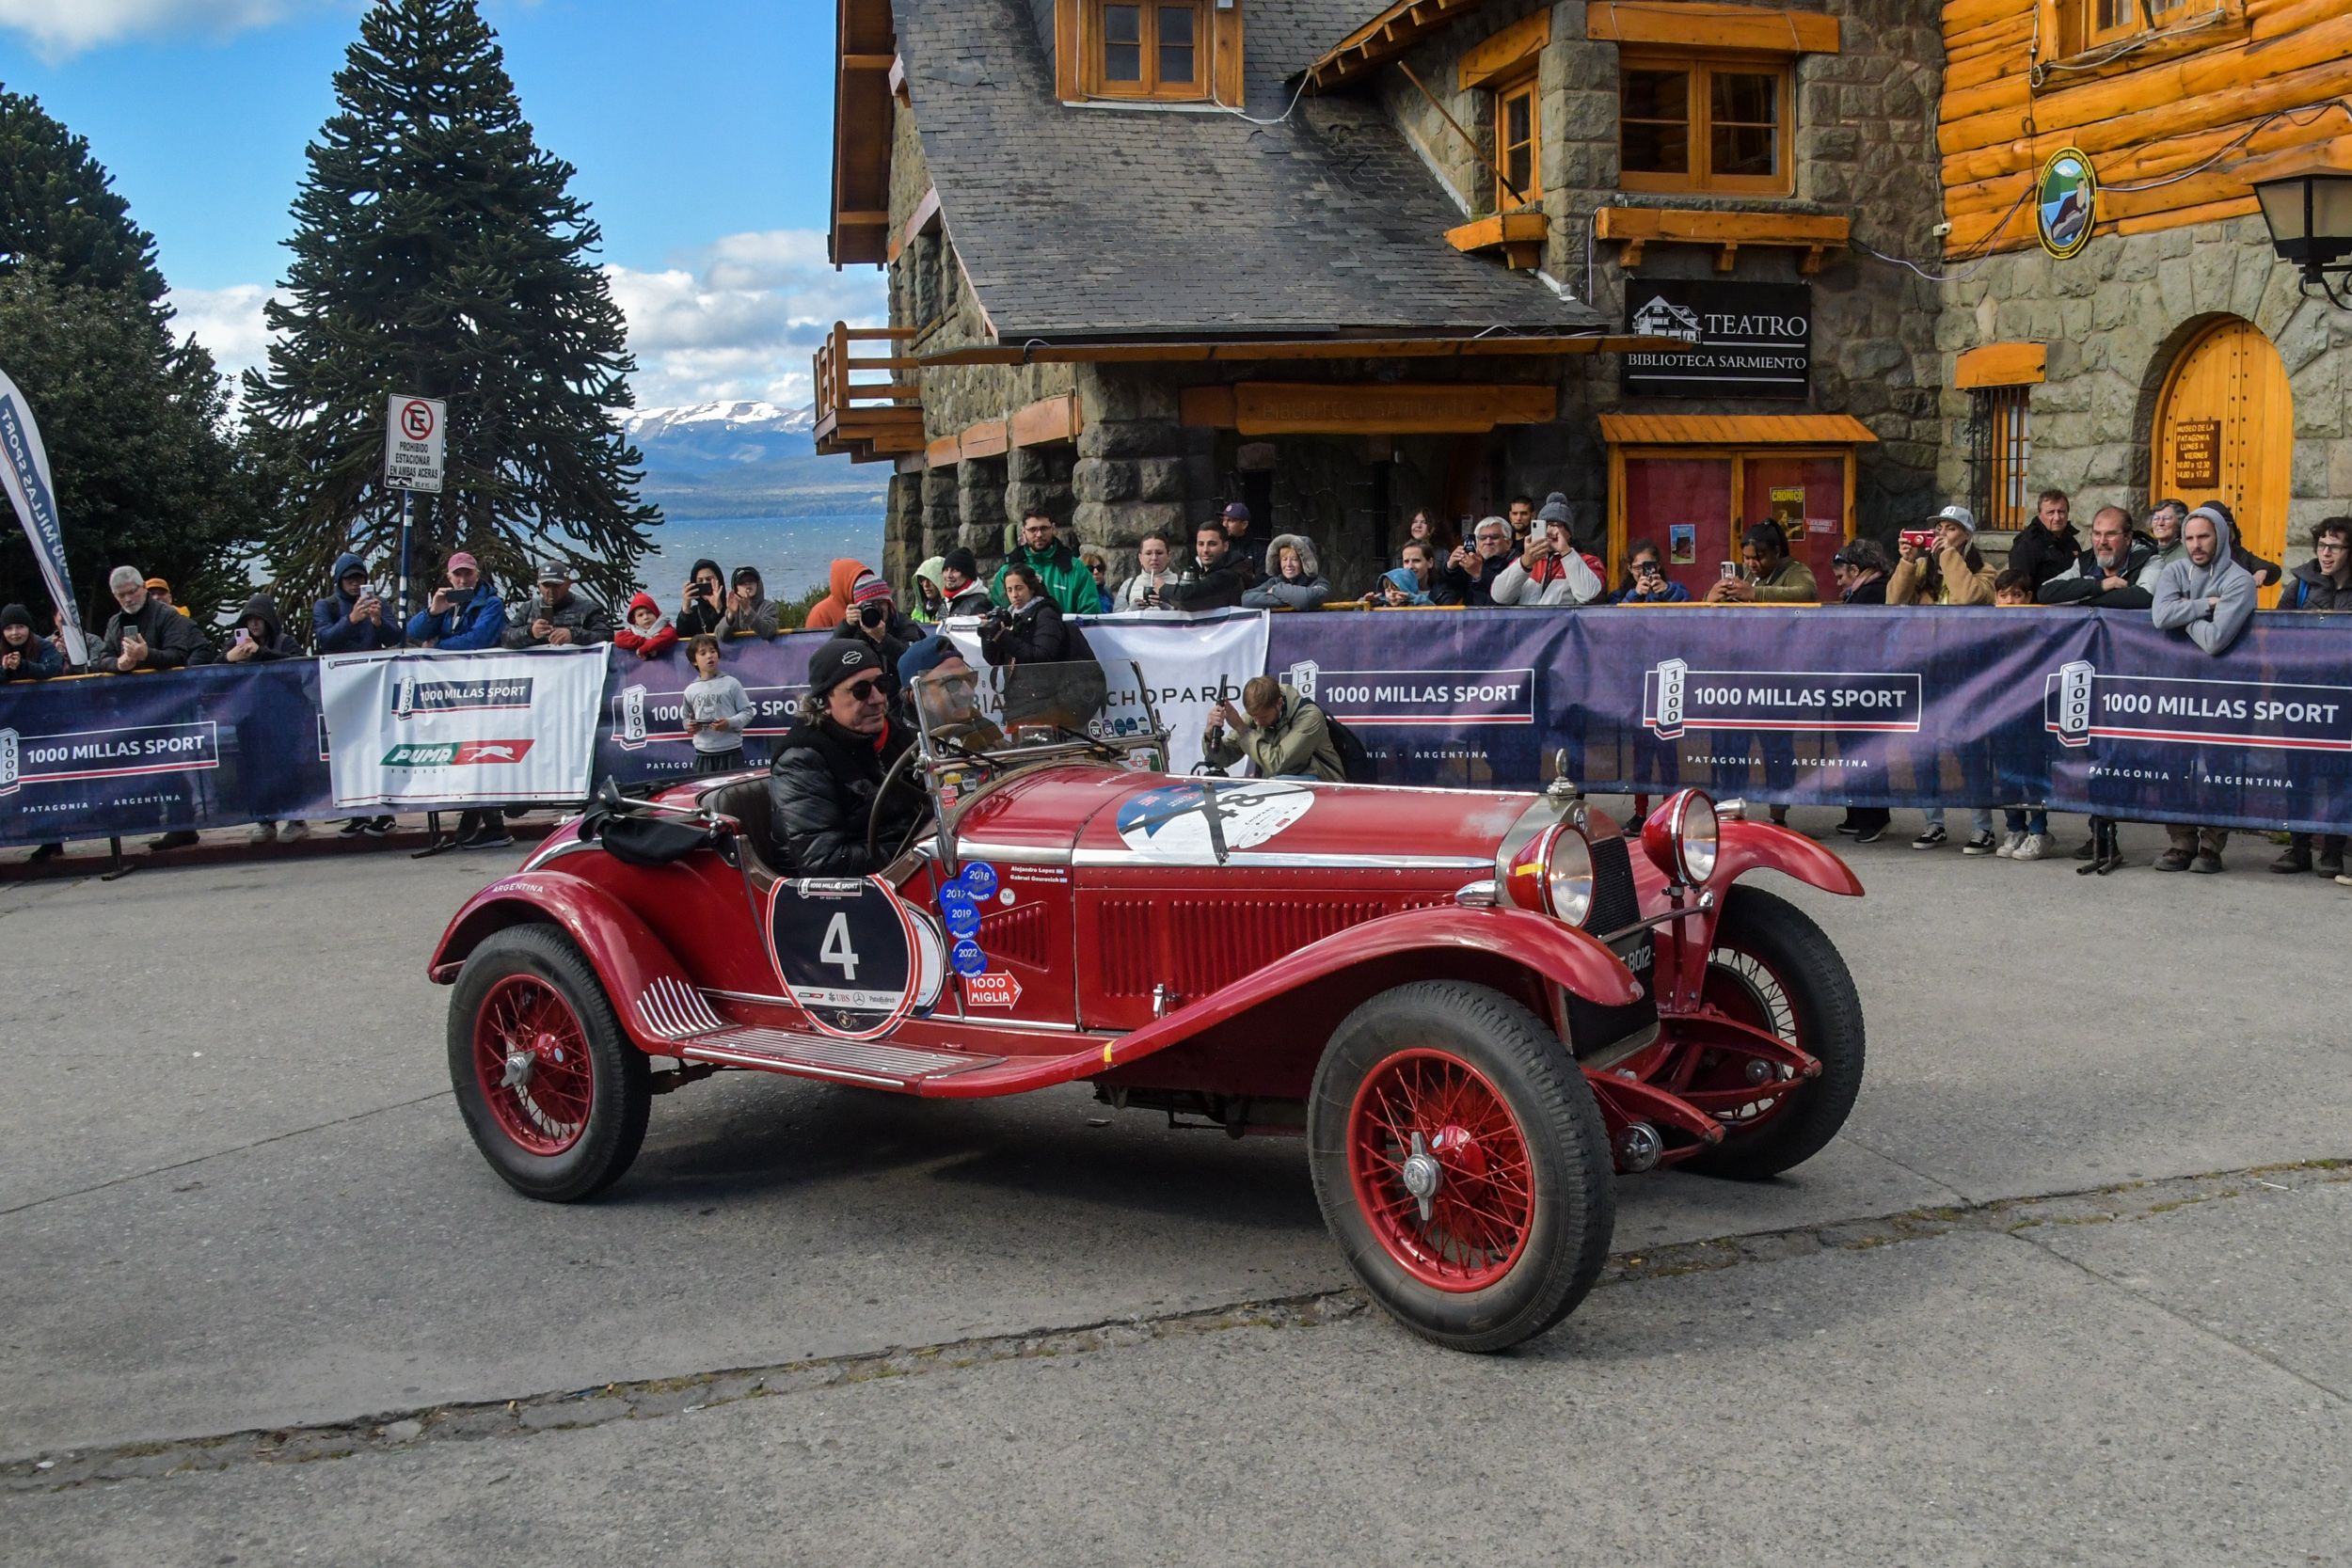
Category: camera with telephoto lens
[873,612]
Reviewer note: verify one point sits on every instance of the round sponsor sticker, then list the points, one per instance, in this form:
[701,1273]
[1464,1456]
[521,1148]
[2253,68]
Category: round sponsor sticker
[954,896]
[968,958]
[1005,898]
[963,918]
[1194,821]
[979,878]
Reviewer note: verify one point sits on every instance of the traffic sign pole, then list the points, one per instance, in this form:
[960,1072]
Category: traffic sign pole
[405,612]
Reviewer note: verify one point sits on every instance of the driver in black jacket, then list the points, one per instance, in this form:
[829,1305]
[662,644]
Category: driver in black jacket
[831,765]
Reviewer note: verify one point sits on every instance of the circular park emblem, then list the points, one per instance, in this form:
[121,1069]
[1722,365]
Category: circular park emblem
[2066,202]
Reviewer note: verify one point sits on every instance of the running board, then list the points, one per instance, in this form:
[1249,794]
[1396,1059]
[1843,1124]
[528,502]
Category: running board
[675,1012]
[878,1067]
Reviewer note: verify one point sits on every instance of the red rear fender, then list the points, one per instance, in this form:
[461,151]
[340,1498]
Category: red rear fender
[1762,846]
[636,969]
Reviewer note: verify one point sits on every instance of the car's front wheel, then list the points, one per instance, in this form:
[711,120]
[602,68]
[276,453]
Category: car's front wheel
[1461,1163]
[552,1091]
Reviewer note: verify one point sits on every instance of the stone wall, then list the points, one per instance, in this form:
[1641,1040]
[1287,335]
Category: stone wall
[931,512]
[2115,317]
[1863,148]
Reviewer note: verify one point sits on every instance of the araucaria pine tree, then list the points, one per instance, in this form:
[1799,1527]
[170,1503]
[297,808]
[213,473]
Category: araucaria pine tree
[439,253]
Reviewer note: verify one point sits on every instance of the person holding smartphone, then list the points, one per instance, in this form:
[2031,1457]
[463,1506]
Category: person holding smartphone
[1646,579]
[702,610]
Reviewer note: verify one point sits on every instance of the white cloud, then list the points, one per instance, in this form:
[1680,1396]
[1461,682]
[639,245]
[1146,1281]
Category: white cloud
[62,27]
[739,319]
[226,321]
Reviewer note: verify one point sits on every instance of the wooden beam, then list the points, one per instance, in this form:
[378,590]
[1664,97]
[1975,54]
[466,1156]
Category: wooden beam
[1636,227]
[1519,235]
[1557,346]
[1366,409]
[985,439]
[1046,420]
[942,453]
[869,62]
[2002,365]
[1690,26]
[859,219]
[1509,51]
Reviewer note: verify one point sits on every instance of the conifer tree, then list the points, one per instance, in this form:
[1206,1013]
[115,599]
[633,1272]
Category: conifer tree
[439,252]
[147,473]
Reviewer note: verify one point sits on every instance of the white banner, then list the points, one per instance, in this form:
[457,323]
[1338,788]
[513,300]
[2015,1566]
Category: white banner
[1189,664]
[25,476]
[431,728]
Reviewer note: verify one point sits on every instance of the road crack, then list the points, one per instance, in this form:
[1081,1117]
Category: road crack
[664,1398]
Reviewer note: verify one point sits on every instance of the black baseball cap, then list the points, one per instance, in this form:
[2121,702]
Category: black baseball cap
[840,659]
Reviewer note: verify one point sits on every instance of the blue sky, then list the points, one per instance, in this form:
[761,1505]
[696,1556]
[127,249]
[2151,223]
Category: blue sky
[700,128]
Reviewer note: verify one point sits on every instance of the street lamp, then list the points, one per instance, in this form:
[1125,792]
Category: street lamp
[2309,214]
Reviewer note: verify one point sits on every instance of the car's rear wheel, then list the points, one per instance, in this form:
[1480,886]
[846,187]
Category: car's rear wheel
[1461,1163]
[1773,969]
[552,1091]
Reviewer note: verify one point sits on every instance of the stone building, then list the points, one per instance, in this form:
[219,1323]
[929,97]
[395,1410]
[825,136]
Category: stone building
[1344,261]
[1678,260]
[2161,348]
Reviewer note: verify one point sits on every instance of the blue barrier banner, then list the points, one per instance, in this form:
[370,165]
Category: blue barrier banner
[199,748]
[2080,711]
[641,733]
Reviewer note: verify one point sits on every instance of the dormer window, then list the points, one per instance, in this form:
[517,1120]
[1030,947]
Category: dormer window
[1156,49]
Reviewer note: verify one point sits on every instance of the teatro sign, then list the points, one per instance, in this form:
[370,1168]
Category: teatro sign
[1746,340]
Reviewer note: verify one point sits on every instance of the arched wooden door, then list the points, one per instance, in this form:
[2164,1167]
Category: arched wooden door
[2225,429]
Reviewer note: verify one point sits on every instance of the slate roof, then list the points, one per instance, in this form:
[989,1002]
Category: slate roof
[1094,224]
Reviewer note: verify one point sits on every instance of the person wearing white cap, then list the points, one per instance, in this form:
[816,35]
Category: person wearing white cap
[1951,571]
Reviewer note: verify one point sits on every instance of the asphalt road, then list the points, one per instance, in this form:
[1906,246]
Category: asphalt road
[241,1227]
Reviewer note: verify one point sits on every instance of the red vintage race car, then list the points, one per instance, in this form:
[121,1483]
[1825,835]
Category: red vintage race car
[1477,1007]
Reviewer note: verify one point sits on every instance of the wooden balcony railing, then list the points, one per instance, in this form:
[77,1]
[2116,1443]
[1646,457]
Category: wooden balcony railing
[869,420]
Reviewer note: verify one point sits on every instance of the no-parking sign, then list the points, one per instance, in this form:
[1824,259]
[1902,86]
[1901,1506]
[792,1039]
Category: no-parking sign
[415,431]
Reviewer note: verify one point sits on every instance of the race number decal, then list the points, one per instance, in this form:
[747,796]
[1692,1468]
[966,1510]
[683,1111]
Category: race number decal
[854,957]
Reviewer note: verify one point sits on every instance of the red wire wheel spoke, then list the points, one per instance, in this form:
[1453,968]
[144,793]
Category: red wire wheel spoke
[1483,1208]
[1741,989]
[545,1112]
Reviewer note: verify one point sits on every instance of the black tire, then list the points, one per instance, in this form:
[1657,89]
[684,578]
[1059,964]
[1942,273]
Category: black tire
[1574,1190]
[1819,993]
[622,1092]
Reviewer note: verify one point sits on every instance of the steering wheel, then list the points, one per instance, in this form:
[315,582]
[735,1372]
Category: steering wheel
[873,818]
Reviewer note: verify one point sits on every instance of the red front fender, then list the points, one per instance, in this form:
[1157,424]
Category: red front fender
[1764,846]
[628,957]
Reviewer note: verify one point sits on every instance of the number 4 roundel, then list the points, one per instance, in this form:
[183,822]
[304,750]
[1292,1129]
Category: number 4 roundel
[854,957]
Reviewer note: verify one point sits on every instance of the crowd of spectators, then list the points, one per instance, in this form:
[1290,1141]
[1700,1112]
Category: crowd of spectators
[2186,567]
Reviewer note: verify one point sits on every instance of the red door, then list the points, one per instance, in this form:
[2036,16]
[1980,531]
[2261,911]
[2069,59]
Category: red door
[1683,506]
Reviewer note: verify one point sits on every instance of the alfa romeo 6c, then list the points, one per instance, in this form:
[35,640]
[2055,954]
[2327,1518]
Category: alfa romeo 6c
[1478,1009]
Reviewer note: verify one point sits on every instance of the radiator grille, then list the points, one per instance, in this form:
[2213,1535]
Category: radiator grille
[1615,904]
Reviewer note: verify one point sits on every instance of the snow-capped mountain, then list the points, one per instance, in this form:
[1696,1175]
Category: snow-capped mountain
[654,424]
[746,458]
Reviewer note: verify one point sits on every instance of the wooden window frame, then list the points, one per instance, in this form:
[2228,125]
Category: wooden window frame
[1093,80]
[2079,33]
[1522,84]
[1700,177]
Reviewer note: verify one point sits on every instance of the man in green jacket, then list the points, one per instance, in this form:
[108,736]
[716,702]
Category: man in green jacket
[1067,583]
[1283,733]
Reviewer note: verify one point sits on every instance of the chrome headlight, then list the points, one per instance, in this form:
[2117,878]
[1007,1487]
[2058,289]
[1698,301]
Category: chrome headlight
[1684,838]
[1552,874]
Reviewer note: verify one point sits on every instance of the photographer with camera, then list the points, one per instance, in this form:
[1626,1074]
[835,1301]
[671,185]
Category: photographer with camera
[749,612]
[702,610]
[1470,568]
[351,619]
[465,614]
[875,619]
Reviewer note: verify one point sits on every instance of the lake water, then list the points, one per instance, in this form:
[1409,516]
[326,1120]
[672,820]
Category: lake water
[793,554]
